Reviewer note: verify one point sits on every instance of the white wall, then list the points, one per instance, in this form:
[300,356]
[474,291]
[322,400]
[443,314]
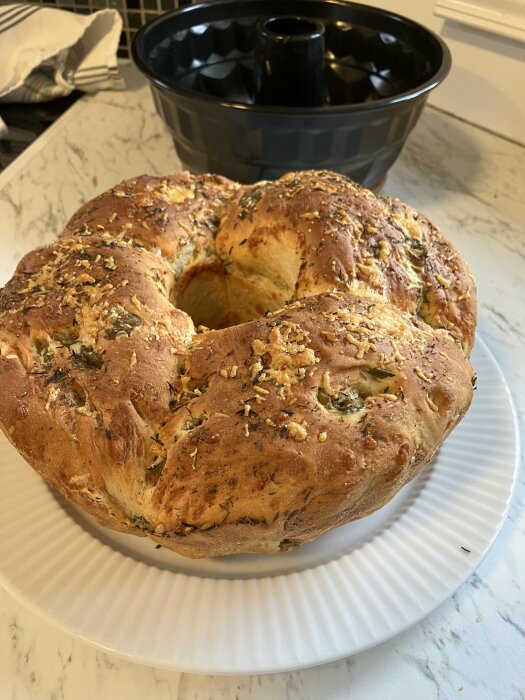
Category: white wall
[486,84]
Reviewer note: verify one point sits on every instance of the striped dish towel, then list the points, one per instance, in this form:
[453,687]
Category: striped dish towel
[48,53]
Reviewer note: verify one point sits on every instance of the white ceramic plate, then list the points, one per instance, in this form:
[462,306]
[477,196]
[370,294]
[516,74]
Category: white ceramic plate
[351,589]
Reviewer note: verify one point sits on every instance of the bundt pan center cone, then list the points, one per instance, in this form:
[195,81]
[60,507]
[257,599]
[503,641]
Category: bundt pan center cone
[253,89]
[231,368]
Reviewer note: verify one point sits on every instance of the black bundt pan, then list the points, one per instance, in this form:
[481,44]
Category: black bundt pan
[379,69]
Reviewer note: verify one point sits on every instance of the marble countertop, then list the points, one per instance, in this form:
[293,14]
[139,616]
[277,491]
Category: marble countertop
[471,183]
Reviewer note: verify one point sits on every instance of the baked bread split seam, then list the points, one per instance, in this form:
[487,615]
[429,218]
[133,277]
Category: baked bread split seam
[229,368]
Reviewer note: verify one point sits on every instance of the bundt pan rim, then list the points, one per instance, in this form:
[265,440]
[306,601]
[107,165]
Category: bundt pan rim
[420,91]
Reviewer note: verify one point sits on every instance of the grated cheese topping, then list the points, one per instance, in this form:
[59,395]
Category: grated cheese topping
[286,353]
[297,431]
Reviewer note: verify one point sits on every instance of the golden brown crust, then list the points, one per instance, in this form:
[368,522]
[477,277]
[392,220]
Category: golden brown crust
[338,235]
[262,435]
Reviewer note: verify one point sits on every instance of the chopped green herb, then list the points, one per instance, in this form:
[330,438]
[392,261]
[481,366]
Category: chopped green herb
[87,359]
[248,202]
[347,401]
[66,338]
[287,545]
[380,373]
[193,422]
[122,322]
[142,524]
[56,376]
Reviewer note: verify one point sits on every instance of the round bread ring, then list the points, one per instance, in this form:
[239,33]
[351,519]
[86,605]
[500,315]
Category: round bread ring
[254,437]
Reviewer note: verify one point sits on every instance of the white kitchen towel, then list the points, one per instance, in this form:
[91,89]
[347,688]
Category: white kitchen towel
[47,53]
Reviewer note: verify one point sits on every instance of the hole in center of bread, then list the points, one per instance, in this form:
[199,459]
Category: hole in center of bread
[236,287]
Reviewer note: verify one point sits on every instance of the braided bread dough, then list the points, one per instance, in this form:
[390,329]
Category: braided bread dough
[336,367]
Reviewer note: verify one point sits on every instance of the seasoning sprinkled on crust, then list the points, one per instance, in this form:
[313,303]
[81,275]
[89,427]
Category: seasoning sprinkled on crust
[229,368]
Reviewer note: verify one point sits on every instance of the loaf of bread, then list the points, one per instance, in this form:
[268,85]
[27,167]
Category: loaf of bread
[232,368]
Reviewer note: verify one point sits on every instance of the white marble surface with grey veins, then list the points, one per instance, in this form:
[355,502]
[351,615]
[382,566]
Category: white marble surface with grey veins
[470,183]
